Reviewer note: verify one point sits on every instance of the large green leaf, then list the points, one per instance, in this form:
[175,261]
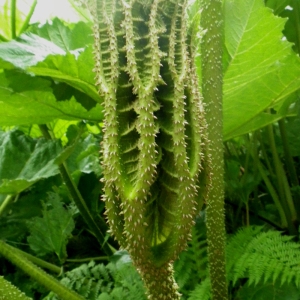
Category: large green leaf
[261,70]
[24,161]
[63,36]
[51,232]
[27,50]
[76,72]
[57,52]
[29,100]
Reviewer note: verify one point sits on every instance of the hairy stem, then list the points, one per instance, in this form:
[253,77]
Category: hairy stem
[39,262]
[211,57]
[37,274]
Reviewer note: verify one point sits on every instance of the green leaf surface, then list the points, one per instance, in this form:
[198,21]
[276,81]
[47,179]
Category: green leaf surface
[13,221]
[31,101]
[51,232]
[24,161]
[261,70]
[85,156]
[27,50]
[76,72]
[79,36]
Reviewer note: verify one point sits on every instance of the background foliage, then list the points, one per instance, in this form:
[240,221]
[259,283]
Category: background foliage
[50,125]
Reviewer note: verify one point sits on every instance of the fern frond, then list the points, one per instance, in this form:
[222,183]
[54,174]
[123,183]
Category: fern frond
[202,291]
[263,256]
[191,267]
[115,281]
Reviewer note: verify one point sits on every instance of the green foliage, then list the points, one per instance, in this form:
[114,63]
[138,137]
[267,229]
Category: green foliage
[263,256]
[24,161]
[65,37]
[14,18]
[191,266]
[46,77]
[36,102]
[268,290]
[51,232]
[266,261]
[260,70]
[117,280]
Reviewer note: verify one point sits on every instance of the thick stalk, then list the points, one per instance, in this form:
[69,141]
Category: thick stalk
[211,56]
[39,262]
[37,274]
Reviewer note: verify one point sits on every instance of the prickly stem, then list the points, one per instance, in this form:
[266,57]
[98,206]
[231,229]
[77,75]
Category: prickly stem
[154,131]
[211,58]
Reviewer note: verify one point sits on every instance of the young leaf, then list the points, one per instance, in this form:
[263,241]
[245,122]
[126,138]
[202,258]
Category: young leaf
[51,232]
[25,160]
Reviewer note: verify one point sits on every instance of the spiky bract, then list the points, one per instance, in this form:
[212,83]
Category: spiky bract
[153,131]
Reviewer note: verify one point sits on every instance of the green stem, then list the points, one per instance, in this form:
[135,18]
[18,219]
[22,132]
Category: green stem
[37,274]
[273,194]
[28,17]
[283,187]
[211,56]
[288,157]
[296,6]
[13,9]
[265,156]
[5,203]
[83,260]
[79,201]
[39,262]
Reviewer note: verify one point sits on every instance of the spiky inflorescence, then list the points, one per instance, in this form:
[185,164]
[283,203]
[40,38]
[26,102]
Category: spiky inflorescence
[152,131]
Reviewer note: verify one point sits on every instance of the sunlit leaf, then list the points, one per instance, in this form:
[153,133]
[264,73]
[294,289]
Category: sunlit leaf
[32,102]
[261,70]
[79,36]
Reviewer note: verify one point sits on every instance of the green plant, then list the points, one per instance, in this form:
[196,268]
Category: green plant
[114,281]
[47,86]
[153,130]
[259,262]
